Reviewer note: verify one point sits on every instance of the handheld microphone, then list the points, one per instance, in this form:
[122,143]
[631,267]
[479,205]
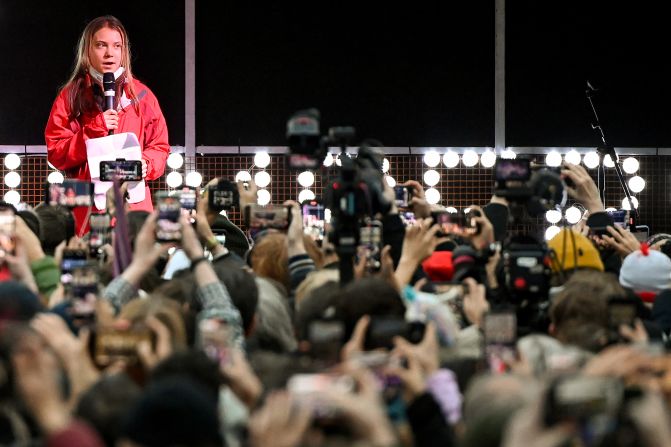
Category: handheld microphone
[108,88]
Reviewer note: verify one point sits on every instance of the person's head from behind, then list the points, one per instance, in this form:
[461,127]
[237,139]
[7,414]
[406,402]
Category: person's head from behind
[106,403]
[579,312]
[368,296]
[166,311]
[55,227]
[173,412]
[194,365]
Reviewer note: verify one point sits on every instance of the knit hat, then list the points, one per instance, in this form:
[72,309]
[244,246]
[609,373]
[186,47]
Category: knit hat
[647,272]
[438,266]
[572,251]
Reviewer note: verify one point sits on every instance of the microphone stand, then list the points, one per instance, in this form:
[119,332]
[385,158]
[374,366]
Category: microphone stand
[604,150]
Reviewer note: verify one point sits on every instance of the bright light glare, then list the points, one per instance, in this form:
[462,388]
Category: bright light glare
[572,157]
[625,203]
[328,160]
[12,179]
[262,179]
[194,179]
[12,161]
[261,159]
[432,196]
[591,160]
[573,215]
[553,159]
[55,177]
[431,177]
[636,184]
[263,197]
[630,165]
[305,194]
[306,178]
[390,181]
[450,159]
[553,216]
[488,158]
[551,232]
[386,165]
[431,159]
[470,158]
[174,179]
[175,160]
[243,176]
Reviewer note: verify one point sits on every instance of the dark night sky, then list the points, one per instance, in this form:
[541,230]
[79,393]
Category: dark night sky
[421,73]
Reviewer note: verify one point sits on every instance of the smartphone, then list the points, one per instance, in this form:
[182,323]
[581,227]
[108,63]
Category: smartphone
[223,196]
[580,398]
[621,311]
[517,169]
[168,226]
[402,194]
[455,224]
[620,218]
[641,233]
[111,345]
[259,217]
[188,198]
[123,170]
[307,389]
[82,291]
[314,215]
[382,330]
[215,340]
[72,259]
[408,218]
[7,231]
[100,232]
[500,330]
[370,245]
[70,193]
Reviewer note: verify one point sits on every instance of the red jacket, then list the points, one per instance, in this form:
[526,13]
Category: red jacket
[66,139]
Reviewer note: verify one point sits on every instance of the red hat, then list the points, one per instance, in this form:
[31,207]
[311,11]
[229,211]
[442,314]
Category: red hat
[438,266]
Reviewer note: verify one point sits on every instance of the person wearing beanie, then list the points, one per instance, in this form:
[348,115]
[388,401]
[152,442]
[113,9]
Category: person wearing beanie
[573,251]
[647,272]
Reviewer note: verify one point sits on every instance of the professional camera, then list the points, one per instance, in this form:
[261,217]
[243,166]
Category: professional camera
[355,194]
[538,188]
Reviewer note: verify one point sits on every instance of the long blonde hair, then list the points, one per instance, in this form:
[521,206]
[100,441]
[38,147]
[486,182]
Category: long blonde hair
[77,101]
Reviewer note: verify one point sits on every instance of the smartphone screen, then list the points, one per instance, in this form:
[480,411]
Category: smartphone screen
[7,232]
[188,198]
[314,215]
[72,259]
[512,170]
[123,170]
[168,226]
[402,195]
[500,330]
[223,196]
[370,245]
[215,340]
[82,291]
[259,217]
[112,345]
[100,232]
[70,193]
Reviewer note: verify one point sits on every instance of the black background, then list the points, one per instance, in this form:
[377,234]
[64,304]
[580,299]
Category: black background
[421,73]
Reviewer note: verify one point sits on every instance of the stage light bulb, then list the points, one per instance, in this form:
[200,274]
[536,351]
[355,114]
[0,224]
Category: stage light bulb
[551,232]
[328,160]
[12,161]
[390,181]
[608,162]
[625,203]
[261,159]
[488,158]
[431,177]
[451,209]
[306,178]
[553,216]
[432,196]
[610,210]
[450,159]
[553,159]
[243,176]
[591,160]
[431,159]
[306,194]
[193,179]
[573,157]
[55,177]
[174,179]
[386,165]
[508,154]
[12,197]
[573,215]
[636,184]
[12,179]
[630,165]
[470,158]
[262,179]
[263,197]
[175,160]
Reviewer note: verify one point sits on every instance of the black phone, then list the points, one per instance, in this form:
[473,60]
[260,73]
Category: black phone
[168,225]
[580,398]
[123,170]
[70,193]
[223,196]
[500,330]
[456,224]
[509,169]
[100,232]
[382,330]
[314,215]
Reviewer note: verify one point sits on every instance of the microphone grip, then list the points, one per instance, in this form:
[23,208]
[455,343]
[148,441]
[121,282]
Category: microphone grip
[109,105]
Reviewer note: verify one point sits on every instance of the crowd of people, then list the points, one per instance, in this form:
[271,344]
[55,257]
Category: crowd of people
[256,342]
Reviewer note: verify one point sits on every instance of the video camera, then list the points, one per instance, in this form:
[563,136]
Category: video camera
[358,190]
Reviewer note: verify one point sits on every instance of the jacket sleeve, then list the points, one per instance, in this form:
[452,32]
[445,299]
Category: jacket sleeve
[155,147]
[66,139]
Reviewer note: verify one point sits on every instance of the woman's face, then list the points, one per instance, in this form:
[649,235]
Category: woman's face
[106,50]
